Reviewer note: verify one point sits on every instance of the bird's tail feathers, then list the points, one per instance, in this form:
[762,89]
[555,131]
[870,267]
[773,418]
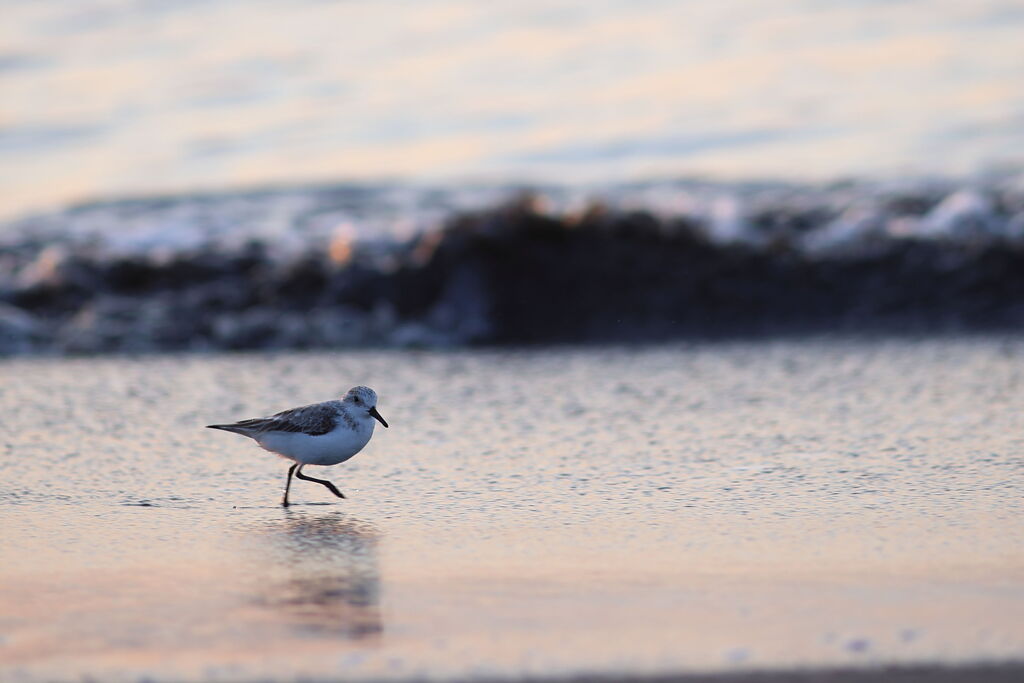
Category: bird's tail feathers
[237,429]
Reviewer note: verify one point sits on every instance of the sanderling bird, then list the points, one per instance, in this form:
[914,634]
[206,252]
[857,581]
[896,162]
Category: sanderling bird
[325,433]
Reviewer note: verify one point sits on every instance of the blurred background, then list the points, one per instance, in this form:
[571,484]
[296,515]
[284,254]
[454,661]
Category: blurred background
[106,98]
[320,174]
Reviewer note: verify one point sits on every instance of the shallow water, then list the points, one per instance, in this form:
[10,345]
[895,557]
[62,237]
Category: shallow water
[719,507]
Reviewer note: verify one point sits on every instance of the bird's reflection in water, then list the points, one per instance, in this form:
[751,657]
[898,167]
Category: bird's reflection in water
[330,579]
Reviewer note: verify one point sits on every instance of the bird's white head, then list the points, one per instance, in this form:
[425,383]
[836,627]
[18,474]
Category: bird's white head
[363,401]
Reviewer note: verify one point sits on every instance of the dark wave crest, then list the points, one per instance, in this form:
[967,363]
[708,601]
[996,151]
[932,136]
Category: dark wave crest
[533,271]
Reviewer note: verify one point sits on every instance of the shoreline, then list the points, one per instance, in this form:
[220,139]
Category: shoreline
[699,510]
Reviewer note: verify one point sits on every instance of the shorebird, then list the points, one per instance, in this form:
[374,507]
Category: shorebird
[325,433]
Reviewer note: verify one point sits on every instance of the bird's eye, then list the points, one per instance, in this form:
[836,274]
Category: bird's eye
[357,399]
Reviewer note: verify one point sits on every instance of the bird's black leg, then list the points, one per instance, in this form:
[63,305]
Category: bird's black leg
[288,484]
[326,483]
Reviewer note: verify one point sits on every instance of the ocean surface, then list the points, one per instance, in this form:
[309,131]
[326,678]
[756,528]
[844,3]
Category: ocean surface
[107,98]
[211,175]
[413,265]
[659,509]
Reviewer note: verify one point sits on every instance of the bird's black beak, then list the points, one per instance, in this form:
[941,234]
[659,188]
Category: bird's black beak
[373,411]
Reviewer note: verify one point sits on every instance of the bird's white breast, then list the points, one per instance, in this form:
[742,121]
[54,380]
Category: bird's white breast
[331,448]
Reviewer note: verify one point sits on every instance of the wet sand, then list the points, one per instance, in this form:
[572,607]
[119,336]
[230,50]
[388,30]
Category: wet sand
[684,511]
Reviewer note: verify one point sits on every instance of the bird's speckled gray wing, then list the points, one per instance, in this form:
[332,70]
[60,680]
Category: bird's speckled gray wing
[314,420]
